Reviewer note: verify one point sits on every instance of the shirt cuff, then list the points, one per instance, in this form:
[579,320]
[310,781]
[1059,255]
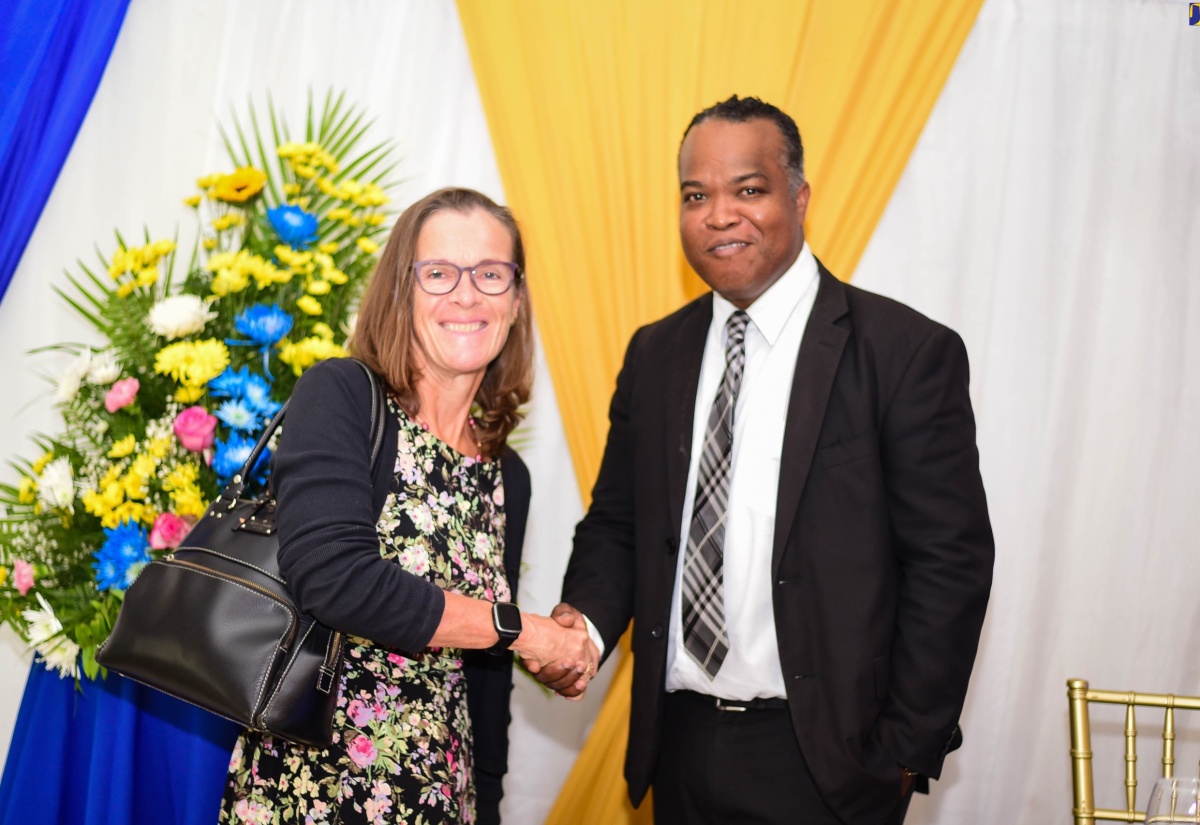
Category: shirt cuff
[595,636]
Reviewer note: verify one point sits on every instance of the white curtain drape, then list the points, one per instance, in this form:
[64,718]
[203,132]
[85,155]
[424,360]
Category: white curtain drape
[1051,214]
[176,70]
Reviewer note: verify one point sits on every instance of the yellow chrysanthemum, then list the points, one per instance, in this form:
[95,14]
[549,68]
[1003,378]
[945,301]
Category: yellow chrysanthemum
[192,363]
[209,243]
[188,503]
[181,478]
[292,257]
[228,281]
[3,575]
[44,459]
[370,196]
[188,395]
[328,248]
[134,486]
[367,245]
[339,214]
[146,277]
[124,447]
[159,448]
[318,287]
[309,305]
[302,354]
[27,490]
[228,220]
[303,170]
[207,181]
[125,289]
[322,330]
[239,186]
[193,201]
[291,189]
[374,220]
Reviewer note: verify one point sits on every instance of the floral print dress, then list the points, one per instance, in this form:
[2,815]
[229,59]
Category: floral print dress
[401,750]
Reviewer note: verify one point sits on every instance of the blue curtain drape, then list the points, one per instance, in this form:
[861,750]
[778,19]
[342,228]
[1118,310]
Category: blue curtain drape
[52,55]
[112,752]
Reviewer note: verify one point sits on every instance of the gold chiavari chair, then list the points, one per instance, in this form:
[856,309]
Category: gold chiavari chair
[1079,695]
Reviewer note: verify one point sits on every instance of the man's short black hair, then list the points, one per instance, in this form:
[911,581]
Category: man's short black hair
[742,109]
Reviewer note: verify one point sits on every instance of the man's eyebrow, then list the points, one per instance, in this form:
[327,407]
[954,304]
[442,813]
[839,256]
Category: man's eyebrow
[694,184]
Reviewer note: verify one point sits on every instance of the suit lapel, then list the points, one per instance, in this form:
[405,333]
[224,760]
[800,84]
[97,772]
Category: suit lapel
[682,382]
[816,366]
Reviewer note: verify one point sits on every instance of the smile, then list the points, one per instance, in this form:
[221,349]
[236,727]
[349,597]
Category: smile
[728,248]
[465,327]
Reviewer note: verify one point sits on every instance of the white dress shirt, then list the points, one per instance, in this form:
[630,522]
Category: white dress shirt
[778,318]
[777,321]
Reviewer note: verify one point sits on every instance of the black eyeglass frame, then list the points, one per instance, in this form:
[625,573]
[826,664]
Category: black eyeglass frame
[516,275]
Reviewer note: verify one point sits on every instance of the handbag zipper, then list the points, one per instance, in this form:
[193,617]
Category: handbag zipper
[292,628]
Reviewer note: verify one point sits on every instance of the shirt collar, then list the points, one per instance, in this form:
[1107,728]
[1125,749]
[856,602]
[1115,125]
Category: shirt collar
[771,310]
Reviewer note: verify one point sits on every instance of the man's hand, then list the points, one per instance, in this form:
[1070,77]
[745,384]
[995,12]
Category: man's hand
[568,677]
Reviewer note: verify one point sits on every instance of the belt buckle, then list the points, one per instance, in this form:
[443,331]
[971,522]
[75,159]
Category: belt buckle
[719,704]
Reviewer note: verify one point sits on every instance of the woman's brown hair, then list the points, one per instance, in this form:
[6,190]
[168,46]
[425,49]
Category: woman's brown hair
[385,337]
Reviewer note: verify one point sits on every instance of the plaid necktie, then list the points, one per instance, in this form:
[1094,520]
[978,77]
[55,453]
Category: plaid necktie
[703,589]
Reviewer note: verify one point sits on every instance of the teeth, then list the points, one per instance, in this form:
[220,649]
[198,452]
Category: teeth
[463,327]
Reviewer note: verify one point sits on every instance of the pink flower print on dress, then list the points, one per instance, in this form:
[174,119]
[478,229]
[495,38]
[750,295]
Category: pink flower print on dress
[121,394]
[362,751]
[359,713]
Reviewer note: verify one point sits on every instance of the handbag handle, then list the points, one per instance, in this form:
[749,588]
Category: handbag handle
[237,485]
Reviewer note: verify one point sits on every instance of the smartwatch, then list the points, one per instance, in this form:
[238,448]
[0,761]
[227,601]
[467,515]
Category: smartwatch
[506,618]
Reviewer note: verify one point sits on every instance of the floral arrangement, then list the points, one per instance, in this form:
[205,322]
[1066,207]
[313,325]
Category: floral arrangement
[162,413]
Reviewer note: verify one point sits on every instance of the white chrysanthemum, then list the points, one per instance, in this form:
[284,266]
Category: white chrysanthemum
[179,315]
[57,651]
[56,485]
[104,368]
[68,382]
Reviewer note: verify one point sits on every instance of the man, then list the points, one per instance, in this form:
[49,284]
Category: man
[790,510]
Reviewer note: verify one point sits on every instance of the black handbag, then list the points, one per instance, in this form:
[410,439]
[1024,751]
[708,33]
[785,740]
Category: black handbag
[214,624]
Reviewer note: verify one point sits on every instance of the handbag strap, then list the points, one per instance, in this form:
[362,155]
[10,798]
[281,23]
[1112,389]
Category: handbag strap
[237,485]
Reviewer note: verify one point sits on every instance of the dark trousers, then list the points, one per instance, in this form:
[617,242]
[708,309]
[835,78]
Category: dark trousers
[722,767]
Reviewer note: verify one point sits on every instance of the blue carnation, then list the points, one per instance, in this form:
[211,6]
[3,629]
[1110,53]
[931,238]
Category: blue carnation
[236,414]
[230,383]
[256,392]
[294,226]
[263,324]
[120,559]
[232,453]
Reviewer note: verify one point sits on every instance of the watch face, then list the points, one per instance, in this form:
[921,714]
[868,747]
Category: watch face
[507,617]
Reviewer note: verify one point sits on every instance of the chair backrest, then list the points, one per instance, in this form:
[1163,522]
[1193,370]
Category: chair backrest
[1078,697]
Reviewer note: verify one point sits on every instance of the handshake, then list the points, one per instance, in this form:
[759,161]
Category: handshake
[558,651]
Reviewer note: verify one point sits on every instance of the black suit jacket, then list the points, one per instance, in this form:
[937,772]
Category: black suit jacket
[882,553]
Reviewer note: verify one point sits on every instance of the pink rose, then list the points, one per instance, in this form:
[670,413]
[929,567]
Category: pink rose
[121,394]
[168,530]
[362,751]
[195,429]
[22,576]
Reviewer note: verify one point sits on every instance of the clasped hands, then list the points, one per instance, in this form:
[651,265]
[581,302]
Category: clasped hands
[558,651]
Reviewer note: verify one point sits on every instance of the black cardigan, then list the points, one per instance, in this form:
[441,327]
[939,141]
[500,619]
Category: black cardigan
[329,502]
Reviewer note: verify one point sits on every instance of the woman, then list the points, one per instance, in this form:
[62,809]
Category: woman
[409,557]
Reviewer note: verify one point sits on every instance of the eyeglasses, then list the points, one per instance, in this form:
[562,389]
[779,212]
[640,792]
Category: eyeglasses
[489,277]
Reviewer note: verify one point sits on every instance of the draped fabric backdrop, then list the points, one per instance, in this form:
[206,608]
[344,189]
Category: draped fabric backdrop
[592,115]
[52,53]
[1050,211]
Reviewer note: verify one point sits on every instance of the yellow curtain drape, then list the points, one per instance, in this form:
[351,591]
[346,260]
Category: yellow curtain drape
[586,103]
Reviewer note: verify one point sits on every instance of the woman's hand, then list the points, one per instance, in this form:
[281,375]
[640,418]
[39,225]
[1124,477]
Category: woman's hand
[561,645]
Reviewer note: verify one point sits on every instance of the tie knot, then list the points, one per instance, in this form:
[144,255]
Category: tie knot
[735,332]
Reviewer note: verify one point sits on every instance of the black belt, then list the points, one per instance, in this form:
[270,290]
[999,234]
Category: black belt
[735,705]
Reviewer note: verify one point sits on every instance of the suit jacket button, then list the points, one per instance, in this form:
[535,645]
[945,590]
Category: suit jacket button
[656,632]
[672,546]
